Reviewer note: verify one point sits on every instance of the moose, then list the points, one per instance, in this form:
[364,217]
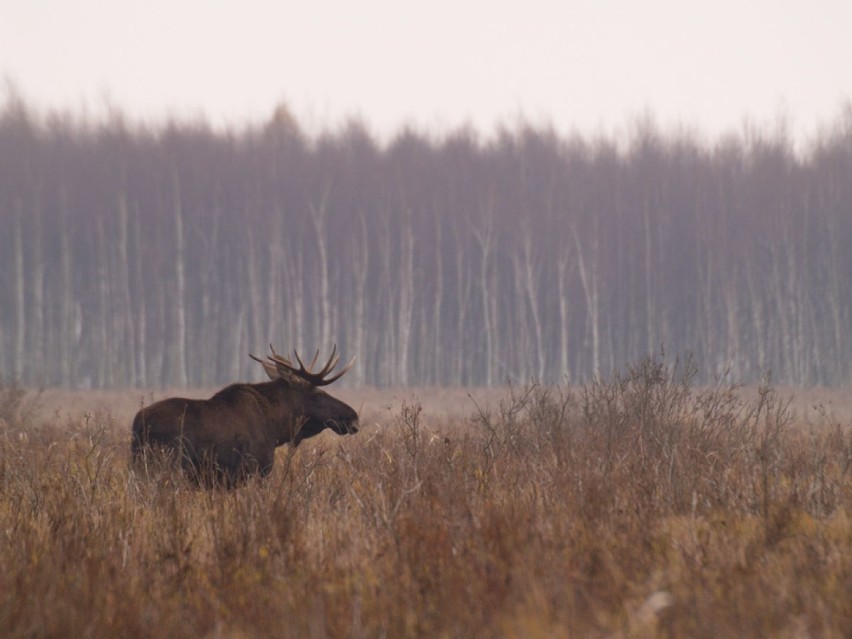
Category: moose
[233,435]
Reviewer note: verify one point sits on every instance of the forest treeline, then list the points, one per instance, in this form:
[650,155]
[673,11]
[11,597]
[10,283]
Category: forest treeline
[134,255]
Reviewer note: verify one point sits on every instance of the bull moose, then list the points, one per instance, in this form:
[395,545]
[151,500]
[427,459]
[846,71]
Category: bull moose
[233,435]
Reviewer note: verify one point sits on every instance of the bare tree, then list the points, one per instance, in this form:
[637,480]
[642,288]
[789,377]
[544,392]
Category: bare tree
[455,260]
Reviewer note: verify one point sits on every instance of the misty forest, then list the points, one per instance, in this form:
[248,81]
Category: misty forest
[136,255]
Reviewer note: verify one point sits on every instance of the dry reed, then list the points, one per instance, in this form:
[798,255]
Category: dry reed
[637,506]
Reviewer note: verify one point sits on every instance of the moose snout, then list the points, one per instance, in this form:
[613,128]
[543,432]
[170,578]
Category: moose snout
[343,426]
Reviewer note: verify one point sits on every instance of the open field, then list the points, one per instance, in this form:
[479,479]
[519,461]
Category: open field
[637,507]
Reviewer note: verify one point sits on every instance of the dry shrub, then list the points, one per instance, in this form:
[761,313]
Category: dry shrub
[18,406]
[635,506]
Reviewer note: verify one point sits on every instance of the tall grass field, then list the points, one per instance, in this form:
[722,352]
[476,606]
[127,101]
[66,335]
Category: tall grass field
[641,505]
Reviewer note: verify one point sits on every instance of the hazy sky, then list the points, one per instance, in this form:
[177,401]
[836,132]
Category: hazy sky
[584,65]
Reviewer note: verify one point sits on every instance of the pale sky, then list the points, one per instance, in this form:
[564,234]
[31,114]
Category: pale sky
[587,66]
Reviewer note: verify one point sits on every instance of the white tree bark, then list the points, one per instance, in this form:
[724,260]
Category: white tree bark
[180,290]
[436,346]
[361,268]
[67,334]
[589,279]
[20,297]
[406,300]
[529,278]
[318,216]
[485,240]
[124,324]
[142,317]
[565,267]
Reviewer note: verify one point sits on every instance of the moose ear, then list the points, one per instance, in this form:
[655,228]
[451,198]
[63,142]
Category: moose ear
[271,370]
[268,366]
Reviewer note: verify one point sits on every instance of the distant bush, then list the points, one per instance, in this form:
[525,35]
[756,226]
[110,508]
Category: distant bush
[17,404]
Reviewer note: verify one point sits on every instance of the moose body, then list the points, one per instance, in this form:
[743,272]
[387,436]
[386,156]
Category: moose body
[233,435]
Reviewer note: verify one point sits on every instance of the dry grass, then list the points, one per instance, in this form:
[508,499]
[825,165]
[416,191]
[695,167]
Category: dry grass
[640,506]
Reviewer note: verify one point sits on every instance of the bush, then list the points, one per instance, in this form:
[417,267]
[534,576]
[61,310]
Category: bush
[639,505]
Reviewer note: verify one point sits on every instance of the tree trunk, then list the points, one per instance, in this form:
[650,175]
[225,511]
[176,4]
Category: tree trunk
[180,291]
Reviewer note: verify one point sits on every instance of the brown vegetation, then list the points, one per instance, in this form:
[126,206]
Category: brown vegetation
[637,506]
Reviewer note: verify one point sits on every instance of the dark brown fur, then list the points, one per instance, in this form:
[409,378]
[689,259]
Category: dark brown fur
[234,434]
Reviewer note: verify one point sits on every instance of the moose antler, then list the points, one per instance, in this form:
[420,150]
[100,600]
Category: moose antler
[277,365]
